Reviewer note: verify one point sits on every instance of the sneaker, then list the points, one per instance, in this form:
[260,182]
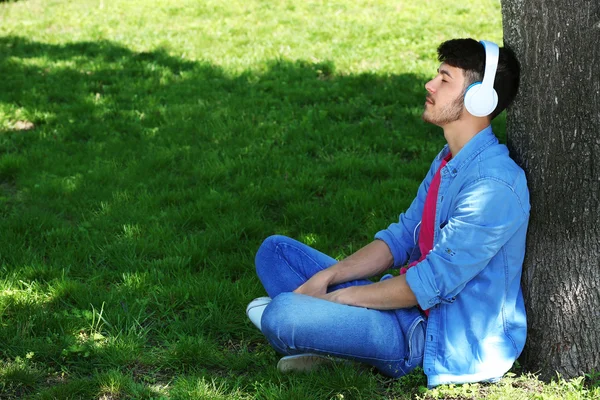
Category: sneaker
[255,309]
[303,362]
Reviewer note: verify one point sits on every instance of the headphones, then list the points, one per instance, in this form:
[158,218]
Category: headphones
[480,98]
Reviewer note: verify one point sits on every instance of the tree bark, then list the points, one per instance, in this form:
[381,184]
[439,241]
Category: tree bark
[554,134]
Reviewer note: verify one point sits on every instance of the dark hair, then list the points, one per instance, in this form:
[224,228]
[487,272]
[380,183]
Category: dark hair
[469,55]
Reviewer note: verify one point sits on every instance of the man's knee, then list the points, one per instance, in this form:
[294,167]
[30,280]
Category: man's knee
[278,320]
[277,314]
[266,251]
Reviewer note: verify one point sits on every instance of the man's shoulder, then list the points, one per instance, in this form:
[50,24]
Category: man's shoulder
[495,173]
[495,163]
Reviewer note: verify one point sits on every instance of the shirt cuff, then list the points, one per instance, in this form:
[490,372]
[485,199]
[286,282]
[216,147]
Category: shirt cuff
[396,248]
[427,297]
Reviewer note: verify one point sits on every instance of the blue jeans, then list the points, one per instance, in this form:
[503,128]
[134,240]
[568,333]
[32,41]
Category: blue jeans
[392,341]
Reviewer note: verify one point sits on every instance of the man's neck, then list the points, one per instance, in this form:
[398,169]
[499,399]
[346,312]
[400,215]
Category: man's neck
[460,132]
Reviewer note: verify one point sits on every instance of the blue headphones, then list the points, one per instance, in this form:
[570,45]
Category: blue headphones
[480,98]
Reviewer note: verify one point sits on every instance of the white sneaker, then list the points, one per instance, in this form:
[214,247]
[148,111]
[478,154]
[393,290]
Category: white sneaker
[303,362]
[255,309]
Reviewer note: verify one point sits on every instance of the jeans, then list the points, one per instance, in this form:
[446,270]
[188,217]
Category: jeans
[392,341]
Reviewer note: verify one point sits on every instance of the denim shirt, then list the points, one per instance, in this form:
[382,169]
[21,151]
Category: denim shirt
[470,281]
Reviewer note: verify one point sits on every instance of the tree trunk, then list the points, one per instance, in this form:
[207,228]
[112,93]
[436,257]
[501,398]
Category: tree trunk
[554,134]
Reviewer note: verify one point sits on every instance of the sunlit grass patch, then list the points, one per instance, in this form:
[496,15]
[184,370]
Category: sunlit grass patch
[525,386]
[205,388]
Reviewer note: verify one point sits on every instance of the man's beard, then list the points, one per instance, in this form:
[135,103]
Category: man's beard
[449,113]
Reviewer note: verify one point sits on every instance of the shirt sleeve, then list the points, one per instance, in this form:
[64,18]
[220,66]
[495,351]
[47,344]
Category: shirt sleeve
[487,214]
[400,236]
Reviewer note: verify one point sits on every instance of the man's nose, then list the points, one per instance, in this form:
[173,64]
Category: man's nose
[429,87]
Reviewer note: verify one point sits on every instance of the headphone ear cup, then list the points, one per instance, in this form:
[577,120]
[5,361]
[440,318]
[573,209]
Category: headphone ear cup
[469,94]
[480,102]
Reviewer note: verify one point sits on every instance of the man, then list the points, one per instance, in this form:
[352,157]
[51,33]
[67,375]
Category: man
[456,308]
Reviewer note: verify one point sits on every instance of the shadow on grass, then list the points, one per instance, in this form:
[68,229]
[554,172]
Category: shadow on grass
[98,136]
[136,187]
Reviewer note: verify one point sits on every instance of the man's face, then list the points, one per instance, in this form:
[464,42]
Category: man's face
[445,96]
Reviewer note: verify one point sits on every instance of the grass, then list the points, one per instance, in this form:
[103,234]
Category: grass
[148,147]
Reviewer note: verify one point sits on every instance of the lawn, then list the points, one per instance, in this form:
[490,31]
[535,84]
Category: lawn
[148,147]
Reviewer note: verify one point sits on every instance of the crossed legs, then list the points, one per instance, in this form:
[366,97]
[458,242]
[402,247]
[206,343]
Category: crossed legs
[392,341]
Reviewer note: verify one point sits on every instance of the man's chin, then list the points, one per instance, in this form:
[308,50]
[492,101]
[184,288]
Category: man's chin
[441,122]
[427,118]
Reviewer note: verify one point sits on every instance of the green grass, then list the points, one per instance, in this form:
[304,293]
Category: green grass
[148,147]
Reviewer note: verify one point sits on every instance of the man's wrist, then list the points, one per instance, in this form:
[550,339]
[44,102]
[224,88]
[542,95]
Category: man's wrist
[328,275]
[342,296]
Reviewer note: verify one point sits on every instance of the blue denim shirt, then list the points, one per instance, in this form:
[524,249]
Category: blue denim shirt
[470,281]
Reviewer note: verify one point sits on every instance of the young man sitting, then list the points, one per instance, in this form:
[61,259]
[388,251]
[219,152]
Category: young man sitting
[456,309]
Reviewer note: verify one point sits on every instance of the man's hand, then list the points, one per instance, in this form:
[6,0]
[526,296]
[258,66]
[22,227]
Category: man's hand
[369,261]
[341,296]
[384,295]
[317,285]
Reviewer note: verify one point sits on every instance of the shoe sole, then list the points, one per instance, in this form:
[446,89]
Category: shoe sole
[302,363]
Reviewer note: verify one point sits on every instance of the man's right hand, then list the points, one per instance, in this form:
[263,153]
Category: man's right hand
[369,261]
[317,285]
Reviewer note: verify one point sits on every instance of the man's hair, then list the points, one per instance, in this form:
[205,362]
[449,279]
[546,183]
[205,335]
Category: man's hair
[469,55]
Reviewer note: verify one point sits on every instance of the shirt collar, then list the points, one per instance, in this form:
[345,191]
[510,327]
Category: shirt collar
[474,147]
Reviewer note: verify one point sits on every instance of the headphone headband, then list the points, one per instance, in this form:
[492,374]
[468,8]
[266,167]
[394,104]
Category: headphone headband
[492,53]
